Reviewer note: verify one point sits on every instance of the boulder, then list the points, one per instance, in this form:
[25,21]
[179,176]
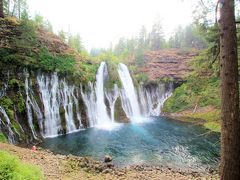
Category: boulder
[107,159]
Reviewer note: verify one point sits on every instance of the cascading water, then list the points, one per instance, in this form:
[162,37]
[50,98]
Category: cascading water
[49,89]
[102,115]
[89,100]
[32,104]
[112,97]
[128,94]
[152,98]
[7,124]
[95,100]
[75,99]
[55,94]
[67,100]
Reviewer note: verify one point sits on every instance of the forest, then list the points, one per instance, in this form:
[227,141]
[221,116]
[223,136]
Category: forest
[150,105]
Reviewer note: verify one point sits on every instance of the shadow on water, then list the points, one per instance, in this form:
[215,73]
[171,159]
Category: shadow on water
[161,141]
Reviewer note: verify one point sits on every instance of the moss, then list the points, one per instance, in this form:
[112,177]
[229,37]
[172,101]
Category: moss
[3,139]
[16,126]
[15,83]
[211,117]
[213,126]
[20,102]
[7,104]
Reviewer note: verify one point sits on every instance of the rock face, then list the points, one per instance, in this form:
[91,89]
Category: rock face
[167,63]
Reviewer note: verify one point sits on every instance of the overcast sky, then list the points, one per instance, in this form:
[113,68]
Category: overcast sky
[100,22]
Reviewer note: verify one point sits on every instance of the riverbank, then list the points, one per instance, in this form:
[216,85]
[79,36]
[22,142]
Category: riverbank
[72,167]
[208,116]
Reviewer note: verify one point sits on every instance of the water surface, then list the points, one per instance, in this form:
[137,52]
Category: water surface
[157,141]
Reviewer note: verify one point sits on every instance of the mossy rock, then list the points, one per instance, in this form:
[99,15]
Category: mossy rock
[3,139]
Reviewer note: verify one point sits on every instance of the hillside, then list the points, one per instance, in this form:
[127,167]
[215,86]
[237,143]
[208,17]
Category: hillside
[167,63]
[29,45]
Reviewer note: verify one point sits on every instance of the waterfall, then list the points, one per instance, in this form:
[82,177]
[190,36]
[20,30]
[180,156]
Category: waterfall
[128,94]
[75,99]
[8,125]
[89,100]
[102,115]
[29,109]
[49,89]
[57,110]
[112,97]
[57,94]
[152,98]
[67,101]
[94,100]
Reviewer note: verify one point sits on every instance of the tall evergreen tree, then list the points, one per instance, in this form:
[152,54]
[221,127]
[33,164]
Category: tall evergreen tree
[1,9]
[230,136]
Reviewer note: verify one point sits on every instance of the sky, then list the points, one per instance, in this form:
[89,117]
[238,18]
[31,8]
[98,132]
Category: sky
[102,22]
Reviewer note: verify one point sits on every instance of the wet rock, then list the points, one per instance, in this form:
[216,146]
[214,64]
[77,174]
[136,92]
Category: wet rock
[107,159]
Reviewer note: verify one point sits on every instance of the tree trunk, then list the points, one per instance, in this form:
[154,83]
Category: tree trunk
[1,9]
[230,135]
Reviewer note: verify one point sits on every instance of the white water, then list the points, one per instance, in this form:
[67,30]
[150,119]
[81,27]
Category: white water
[55,94]
[29,109]
[49,89]
[89,100]
[128,94]
[102,115]
[67,101]
[75,99]
[152,98]
[8,124]
[112,97]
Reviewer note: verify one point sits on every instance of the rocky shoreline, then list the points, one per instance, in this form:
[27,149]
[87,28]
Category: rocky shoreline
[73,167]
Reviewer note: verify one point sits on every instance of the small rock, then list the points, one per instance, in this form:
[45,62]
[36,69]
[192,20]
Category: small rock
[107,171]
[110,165]
[107,159]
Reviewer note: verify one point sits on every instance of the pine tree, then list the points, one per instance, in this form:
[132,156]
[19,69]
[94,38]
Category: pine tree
[230,135]
[1,9]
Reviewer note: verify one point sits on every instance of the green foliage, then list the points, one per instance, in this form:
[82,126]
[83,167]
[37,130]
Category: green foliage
[59,63]
[212,119]
[141,77]
[20,9]
[187,37]
[179,101]
[202,87]
[75,42]
[139,57]
[20,102]
[26,41]
[213,126]
[7,104]
[87,72]
[3,139]
[12,168]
